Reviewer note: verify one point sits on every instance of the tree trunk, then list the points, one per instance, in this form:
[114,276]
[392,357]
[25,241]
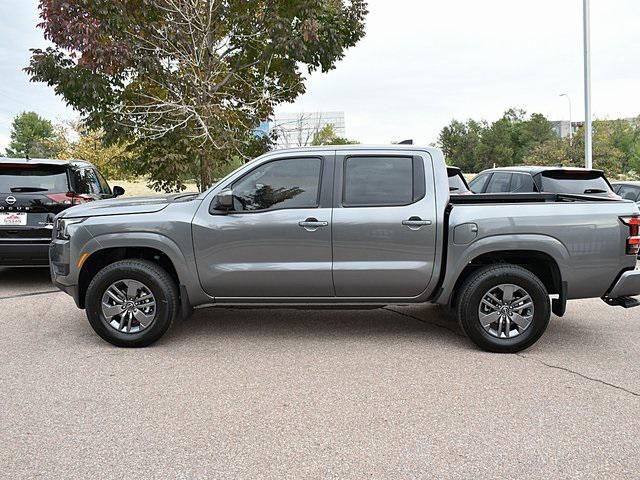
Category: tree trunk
[205,172]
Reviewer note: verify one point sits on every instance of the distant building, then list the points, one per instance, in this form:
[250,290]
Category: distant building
[298,129]
[561,127]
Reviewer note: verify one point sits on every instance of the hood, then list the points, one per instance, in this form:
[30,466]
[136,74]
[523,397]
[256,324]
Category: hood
[127,205]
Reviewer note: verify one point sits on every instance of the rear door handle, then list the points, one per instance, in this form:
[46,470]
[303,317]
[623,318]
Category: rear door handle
[416,222]
[312,223]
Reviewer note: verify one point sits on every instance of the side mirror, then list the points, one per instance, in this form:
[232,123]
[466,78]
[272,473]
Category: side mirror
[224,200]
[118,191]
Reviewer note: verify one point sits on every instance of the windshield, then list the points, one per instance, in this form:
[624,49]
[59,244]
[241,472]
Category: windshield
[33,178]
[456,182]
[575,182]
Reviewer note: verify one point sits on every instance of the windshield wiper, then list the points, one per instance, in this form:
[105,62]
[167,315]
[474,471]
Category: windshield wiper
[594,190]
[28,189]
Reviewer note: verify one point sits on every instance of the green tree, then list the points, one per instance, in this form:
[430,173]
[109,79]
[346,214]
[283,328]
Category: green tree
[33,137]
[327,136]
[459,143]
[194,76]
[116,160]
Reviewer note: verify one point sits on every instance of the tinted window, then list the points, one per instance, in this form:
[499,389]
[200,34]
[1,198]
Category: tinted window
[104,186]
[456,182]
[500,183]
[288,183]
[628,192]
[36,178]
[478,183]
[522,182]
[86,181]
[378,181]
[575,182]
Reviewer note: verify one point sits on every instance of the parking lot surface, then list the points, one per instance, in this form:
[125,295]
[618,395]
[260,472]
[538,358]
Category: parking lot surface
[263,394]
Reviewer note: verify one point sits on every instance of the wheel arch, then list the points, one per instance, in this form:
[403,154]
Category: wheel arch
[100,258]
[545,257]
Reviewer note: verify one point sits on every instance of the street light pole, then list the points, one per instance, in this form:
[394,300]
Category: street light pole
[570,121]
[588,134]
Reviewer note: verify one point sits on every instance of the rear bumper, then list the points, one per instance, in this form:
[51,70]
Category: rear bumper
[628,285]
[24,254]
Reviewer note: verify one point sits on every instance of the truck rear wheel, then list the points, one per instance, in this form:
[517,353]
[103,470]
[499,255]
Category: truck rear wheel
[503,308]
[131,303]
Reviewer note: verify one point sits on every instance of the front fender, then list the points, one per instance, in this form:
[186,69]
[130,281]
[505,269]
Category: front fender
[184,264]
[459,256]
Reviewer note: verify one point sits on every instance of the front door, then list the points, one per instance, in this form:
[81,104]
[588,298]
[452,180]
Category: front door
[276,240]
[384,225]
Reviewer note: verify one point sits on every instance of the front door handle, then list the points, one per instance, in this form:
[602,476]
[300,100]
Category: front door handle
[312,224]
[416,222]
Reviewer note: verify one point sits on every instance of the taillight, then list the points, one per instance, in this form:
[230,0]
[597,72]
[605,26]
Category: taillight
[69,198]
[62,198]
[633,241]
[78,199]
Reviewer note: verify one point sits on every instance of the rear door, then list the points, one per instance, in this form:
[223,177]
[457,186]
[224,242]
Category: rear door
[31,194]
[384,232]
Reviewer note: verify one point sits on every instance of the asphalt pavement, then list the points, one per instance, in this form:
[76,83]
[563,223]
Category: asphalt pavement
[265,394]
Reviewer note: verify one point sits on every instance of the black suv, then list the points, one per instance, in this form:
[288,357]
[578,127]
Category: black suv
[542,179]
[32,192]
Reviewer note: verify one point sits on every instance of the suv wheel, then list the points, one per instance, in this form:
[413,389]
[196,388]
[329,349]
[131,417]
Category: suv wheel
[131,303]
[503,308]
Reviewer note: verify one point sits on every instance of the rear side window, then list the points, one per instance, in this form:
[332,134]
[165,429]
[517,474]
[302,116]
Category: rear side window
[579,182]
[16,178]
[522,182]
[500,183]
[286,183]
[86,181]
[478,183]
[382,181]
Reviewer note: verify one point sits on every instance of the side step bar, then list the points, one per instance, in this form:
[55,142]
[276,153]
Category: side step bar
[624,302]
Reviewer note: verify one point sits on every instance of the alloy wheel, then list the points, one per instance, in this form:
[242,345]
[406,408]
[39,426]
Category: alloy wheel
[128,306]
[506,311]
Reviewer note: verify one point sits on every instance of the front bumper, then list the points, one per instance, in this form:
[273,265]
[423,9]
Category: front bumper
[59,266]
[24,254]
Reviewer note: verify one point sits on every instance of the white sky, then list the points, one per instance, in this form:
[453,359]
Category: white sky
[422,63]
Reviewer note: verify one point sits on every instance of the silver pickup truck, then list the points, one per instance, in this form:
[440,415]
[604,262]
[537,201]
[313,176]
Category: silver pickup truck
[349,226]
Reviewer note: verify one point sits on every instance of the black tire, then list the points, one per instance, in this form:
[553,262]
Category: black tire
[479,283]
[156,279]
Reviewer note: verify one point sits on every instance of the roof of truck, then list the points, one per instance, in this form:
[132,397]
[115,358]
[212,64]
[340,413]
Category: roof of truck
[324,148]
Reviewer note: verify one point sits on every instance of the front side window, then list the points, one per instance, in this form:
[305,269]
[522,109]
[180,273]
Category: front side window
[477,184]
[500,183]
[287,183]
[378,181]
[104,186]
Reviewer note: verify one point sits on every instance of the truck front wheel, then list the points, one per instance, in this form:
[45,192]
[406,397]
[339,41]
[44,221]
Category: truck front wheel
[503,308]
[131,303]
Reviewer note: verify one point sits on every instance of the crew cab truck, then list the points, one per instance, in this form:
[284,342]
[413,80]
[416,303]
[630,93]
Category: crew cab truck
[350,226]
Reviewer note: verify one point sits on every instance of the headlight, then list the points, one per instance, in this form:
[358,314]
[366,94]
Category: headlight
[62,227]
